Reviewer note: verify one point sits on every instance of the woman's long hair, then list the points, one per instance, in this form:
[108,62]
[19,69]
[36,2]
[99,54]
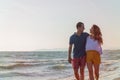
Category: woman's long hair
[97,34]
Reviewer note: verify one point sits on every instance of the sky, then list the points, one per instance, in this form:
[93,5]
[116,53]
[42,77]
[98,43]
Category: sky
[30,25]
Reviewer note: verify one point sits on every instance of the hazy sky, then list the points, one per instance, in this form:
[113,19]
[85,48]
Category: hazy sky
[47,24]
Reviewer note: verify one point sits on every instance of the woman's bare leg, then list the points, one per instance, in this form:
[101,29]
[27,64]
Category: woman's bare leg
[90,69]
[96,68]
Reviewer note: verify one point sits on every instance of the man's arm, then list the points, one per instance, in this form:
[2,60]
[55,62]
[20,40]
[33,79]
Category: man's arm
[69,53]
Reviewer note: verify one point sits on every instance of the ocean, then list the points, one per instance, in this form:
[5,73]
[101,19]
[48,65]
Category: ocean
[50,65]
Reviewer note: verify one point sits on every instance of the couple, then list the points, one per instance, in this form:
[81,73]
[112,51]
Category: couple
[87,49]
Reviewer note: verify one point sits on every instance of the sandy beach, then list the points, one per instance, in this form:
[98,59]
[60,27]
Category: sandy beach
[117,78]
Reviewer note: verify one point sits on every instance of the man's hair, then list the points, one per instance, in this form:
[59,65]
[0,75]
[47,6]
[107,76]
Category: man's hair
[79,24]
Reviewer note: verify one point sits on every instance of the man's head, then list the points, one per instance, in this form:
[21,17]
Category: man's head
[80,26]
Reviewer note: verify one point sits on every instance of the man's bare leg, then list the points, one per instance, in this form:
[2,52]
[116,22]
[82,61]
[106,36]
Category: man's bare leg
[76,74]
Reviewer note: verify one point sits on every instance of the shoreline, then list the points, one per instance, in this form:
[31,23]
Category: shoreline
[68,78]
[107,77]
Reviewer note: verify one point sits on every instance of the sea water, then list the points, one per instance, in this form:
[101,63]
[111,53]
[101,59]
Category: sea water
[50,65]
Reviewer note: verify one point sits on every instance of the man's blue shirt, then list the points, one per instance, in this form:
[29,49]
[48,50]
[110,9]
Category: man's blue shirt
[79,43]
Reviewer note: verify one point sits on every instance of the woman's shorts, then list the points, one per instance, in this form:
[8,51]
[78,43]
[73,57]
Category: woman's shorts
[93,56]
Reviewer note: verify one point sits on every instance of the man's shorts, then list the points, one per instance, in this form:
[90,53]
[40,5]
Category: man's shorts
[79,62]
[93,56]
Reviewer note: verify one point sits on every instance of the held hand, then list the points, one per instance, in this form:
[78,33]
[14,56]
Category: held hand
[69,60]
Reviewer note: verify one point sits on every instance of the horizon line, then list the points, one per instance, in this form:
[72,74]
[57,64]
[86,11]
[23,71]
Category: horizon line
[42,50]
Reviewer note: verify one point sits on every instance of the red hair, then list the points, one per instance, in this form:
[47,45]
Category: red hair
[97,34]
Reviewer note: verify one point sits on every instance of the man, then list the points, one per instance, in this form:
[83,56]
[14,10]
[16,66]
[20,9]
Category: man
[78,39]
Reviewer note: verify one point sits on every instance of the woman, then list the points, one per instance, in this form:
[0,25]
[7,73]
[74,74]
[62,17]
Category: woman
[94,50]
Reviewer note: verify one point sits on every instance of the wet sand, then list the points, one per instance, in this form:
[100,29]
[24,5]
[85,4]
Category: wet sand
[117,78]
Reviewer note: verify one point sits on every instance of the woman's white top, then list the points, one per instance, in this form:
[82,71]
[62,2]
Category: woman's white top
[92,44]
